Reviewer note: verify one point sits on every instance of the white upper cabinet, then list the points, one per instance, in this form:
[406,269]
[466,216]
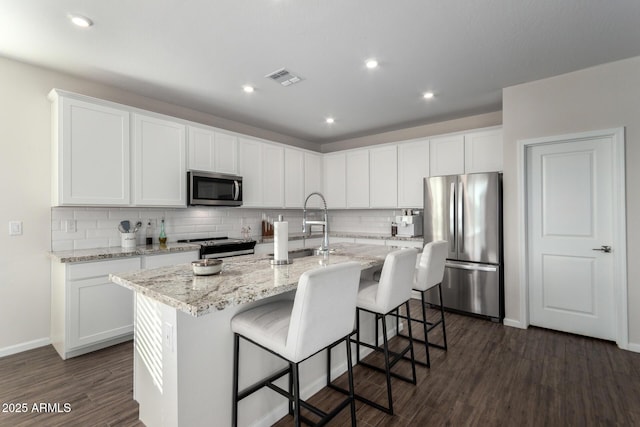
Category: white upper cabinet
[293,178]
[383,172]
[446,155]
[213,151]
[357,178]
[334,180]
[159,161]
[483,151]
[262,168]
[413,167]
[313,178]
[91,153]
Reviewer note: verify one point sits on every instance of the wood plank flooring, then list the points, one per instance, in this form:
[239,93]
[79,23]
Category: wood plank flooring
[492,375]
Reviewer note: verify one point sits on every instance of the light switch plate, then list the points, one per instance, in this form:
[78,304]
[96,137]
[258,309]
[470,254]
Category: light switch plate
[15,228]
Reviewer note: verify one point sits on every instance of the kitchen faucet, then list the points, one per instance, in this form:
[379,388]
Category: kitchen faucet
[306,225]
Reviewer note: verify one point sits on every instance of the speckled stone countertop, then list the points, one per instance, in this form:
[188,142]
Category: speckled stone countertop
[97,254]
[243,279]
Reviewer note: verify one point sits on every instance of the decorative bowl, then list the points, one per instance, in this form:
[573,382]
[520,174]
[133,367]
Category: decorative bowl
[206,267]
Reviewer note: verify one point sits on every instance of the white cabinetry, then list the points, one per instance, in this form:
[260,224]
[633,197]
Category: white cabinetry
[166,260]
[293,178]
[88,312]
[313,178]
[483,151]
[91,153]
[159,162]
[334,180]
[357,178]
[413,167]
[262,168]
[212,150]
[446,155]
[384,176]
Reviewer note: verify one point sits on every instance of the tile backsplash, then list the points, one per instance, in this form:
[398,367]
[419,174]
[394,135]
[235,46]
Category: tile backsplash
[84,228]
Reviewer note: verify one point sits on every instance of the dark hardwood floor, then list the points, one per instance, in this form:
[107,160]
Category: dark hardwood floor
[491,376]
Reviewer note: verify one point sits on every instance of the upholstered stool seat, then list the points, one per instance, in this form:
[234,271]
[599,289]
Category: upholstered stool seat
[321,314]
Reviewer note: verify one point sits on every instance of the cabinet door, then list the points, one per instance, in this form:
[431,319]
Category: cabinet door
[384,177]
[98,310]
[250,167]
[446,155]
[483,151]
[313,178]
[357,178]
[93,160]
[293,178]
[201,146]
[334,179]
[413,167]
[225,153]
[160,165]
[273,176]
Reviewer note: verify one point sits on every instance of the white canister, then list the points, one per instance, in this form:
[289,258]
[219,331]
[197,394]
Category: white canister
[128,240]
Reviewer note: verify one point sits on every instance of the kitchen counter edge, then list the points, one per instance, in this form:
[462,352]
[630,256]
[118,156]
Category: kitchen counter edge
[98,254]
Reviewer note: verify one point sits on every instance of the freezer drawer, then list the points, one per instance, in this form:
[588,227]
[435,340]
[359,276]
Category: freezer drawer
[471,288]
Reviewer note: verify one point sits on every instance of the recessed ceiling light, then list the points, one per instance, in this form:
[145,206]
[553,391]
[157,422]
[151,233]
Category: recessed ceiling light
[81,21]
[330,120]
[248,89]
[428,95]
[371,64]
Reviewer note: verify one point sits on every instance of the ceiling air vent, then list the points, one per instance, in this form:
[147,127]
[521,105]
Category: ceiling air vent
[284,77]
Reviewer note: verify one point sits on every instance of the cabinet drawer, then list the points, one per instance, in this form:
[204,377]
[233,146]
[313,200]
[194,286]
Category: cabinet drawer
[101,268]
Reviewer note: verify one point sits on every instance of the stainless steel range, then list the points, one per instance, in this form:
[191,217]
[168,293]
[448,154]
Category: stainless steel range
[222,247]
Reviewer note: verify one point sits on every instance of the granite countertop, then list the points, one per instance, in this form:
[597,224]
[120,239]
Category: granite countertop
[97,254]
[243,279]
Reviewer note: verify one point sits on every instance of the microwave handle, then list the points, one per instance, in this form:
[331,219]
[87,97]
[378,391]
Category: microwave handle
[236,190]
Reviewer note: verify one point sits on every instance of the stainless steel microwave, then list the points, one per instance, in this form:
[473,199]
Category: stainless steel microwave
[214,189]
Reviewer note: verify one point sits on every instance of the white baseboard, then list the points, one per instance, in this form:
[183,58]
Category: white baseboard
[513,323]
[19,348]
[633,347]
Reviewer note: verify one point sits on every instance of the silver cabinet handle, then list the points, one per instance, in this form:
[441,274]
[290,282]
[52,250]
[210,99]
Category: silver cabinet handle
[603,248]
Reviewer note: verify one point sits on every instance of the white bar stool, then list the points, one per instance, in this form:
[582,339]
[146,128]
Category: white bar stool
[321,314]
[383,298]
[429,274]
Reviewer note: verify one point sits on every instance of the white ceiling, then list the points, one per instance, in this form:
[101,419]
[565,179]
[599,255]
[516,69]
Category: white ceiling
[199,53]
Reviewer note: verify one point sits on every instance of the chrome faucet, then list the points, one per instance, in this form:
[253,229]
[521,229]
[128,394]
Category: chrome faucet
[306,225]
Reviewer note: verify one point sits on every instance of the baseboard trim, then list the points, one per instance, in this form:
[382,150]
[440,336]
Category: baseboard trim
[513,323]
[19,348]
[633,347]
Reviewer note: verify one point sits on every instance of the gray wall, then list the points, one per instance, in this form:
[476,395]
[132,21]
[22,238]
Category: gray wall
[602,97]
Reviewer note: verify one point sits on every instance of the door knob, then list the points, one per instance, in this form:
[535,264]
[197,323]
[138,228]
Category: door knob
[603,248]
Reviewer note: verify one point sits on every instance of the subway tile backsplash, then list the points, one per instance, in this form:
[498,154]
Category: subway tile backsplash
[98,227]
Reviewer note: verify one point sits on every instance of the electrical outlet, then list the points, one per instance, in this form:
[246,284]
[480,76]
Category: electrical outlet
[70,225]
[15,228]
[167,336]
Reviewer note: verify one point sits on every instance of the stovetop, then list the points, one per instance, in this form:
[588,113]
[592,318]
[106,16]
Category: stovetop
[216,241]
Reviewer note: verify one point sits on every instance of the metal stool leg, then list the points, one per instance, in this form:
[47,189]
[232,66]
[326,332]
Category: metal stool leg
[444,330]
[236,354]
[386,361]
[351,386]
[425,329]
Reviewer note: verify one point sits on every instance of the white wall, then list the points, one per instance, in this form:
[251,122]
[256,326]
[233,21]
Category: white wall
[602,97]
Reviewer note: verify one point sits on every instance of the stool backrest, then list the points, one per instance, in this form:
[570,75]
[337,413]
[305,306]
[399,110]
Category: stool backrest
[430,269]
[323,310]
[396,279]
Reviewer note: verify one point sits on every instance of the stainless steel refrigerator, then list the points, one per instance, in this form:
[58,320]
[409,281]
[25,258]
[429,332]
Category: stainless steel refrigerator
[466,211]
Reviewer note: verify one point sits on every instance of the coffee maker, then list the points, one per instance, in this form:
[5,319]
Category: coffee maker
[409,224]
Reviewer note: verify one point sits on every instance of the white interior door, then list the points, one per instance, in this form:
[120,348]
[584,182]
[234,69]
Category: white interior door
[569,221]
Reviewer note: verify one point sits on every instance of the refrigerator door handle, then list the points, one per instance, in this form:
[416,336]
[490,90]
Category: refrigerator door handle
[461,217]
[452,217]
[477,267]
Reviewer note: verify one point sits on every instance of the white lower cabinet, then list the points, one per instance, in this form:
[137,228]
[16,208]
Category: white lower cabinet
[88,312]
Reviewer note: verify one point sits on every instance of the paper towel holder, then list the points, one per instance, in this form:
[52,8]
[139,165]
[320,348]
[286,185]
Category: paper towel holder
[281,261]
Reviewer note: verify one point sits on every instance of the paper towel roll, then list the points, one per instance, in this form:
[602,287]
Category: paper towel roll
[281,240]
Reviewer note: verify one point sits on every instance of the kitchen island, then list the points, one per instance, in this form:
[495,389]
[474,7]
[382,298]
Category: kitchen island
[183,342]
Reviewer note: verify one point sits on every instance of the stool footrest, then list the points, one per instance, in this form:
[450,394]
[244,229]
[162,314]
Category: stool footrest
[362,399]
[264,383]
[421,341]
